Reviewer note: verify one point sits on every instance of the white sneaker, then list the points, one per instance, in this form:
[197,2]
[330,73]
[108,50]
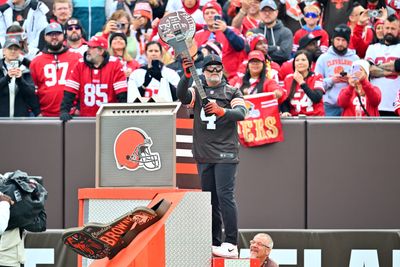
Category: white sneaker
[226,250]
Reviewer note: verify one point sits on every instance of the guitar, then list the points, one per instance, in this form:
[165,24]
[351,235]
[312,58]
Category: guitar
[177,29]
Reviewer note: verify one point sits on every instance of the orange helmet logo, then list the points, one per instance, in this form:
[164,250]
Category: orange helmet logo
[132,151]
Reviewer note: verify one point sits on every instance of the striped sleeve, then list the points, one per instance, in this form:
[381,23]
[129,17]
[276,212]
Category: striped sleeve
[119,82]
[120,85]
[72,84]
[237,102]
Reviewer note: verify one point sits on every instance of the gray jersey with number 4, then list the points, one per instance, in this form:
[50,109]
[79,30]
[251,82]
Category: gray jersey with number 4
[215,139]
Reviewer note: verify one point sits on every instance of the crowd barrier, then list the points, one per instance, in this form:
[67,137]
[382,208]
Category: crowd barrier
[300,248]
[327,174]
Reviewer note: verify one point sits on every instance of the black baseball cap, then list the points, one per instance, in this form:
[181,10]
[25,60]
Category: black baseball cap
[307,39]
[212,60]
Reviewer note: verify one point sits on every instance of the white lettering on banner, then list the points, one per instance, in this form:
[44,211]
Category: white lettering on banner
[312,257]
[364,258]
[35,256]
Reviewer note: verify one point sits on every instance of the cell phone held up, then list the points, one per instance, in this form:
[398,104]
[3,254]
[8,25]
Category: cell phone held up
[216,18]
[354,70]
[14,64]
[375,13]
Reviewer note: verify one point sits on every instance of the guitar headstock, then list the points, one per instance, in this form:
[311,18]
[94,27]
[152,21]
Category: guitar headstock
[176,29]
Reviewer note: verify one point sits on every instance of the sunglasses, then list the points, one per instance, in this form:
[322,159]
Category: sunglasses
[311,15]
[73,27]
[214,68]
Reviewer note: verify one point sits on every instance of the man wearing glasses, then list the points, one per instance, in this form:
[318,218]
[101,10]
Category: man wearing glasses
[260,248]
[75,36]
[216,146]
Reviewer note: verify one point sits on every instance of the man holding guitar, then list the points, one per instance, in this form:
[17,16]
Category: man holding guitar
[217,108]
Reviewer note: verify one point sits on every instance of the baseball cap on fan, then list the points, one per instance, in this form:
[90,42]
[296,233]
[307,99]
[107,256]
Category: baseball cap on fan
[12,41]
[53,27]
[307,39]
[256,54]
[98,41]
[268,3]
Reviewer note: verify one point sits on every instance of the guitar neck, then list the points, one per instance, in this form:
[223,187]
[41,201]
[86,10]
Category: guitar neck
[196,78]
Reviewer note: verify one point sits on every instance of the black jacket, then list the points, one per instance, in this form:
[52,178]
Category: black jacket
[25,99]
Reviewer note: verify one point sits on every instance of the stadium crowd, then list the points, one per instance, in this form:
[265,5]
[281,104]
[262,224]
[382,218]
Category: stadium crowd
[63,58]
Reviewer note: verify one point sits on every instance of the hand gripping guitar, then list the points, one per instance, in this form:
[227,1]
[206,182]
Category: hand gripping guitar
[97,241]
[177,29]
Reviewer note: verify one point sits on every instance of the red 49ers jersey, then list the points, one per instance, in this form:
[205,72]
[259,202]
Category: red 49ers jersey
[50,73]
[96,86]
[301,103]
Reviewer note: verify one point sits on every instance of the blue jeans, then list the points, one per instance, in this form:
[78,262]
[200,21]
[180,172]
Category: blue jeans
[332,110]
[219,179]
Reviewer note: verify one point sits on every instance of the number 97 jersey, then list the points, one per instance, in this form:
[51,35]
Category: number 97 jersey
[50,73]
[95,86]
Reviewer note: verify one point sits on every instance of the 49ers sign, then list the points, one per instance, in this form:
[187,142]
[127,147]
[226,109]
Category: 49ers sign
[262,124]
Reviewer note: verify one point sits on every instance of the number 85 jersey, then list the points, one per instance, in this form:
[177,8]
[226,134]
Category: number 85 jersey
[95,86]
[50,73]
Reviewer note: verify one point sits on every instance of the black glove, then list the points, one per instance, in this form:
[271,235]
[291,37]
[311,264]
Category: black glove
[156,74]
[155,70]
[147,78]
[65,116]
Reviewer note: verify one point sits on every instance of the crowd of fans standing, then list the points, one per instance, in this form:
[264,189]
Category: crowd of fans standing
[63,58]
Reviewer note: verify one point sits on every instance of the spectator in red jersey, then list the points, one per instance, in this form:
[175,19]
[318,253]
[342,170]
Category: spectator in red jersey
[255,79]
[312,16]
[75,36]
[248,16]
[51,69]
[361,35]
[118,43]
[360,98]
[96,79]
[308,43]
[17,91]
[304,88]
[382,54]
[258,42]
[378,30]
[232,41]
